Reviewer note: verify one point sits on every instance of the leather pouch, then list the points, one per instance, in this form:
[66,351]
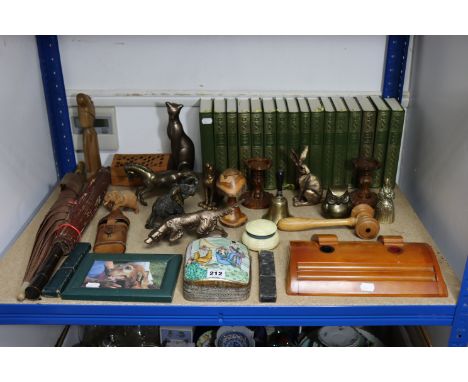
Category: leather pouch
[112,231]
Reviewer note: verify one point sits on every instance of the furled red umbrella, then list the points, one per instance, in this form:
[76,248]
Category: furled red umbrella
[70,189]
[69,232]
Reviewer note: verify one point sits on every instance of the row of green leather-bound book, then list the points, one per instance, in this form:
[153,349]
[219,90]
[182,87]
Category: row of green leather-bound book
[336,129]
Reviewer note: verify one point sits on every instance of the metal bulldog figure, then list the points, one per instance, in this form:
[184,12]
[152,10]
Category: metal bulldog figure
[170,204]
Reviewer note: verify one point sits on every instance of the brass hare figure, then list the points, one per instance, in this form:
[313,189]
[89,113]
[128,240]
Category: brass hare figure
[310,189]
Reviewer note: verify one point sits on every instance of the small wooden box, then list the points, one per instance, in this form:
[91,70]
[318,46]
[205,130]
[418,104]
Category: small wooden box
[156,162]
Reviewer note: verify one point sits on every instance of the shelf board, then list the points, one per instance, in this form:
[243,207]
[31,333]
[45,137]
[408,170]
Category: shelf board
[288,310]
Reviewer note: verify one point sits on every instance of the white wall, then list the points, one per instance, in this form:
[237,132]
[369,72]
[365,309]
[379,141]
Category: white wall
[223,63]
[136,74]
[26,159]
[434,163]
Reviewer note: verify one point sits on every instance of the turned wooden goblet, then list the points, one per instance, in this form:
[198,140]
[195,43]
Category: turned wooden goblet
[257,198]
[365,167]
[232,183]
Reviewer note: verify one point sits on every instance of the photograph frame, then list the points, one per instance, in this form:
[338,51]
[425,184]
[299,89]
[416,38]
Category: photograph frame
[76,291]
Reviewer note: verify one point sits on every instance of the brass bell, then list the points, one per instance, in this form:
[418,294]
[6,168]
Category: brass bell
[279,204]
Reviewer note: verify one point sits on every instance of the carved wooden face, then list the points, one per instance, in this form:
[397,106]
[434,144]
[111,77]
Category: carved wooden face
[86,111]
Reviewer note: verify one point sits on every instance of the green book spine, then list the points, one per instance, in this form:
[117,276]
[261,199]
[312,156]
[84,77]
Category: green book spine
[269,129]
[294,140]
[304,137]
[380,145]
[328,148]
[367,134]
[354,138]
[220,136]
[232,141]
[282,138]
[340,145]
[394,143]
[245,138]
[207,131]
[256,127]
[316,138]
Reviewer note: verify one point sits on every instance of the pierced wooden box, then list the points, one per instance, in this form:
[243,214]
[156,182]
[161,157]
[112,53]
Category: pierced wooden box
[156,162]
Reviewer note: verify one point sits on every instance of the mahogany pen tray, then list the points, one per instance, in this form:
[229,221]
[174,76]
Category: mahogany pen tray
[387,267]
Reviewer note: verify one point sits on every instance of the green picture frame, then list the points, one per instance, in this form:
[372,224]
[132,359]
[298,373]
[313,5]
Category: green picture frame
[155,274]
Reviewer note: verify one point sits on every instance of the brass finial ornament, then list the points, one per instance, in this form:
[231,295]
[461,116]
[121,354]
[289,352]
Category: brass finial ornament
[279,204]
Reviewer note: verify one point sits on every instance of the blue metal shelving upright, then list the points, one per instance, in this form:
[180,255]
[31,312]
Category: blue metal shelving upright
[395,66]
[56,101]
[459,333]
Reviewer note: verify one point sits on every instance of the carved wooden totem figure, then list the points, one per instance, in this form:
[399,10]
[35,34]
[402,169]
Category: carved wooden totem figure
[86,114]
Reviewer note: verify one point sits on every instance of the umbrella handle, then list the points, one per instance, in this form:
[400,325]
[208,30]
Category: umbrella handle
[33,291]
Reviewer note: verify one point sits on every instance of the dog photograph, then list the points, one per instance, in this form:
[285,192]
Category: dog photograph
[125,275]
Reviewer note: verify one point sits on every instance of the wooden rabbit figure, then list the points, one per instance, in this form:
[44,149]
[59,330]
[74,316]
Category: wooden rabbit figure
[310,189]
[182,149]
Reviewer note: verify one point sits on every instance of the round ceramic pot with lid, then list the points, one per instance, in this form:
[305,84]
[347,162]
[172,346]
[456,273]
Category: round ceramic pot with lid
[260,234]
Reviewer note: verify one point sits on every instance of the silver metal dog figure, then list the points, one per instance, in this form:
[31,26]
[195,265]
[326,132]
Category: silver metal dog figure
[203,221]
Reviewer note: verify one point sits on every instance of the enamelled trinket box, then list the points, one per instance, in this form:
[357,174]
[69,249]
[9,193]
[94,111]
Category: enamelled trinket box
[216,269]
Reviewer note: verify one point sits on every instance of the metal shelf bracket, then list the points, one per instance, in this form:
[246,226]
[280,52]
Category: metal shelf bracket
[459,333]
[395,66]
[56,101]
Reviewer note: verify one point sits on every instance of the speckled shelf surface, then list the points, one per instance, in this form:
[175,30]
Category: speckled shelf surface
[407,224]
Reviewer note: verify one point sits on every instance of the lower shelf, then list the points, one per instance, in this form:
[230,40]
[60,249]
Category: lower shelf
[264,336]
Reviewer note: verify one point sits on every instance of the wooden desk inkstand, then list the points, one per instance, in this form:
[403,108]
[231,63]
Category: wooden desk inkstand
[86,114]
[232,183]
